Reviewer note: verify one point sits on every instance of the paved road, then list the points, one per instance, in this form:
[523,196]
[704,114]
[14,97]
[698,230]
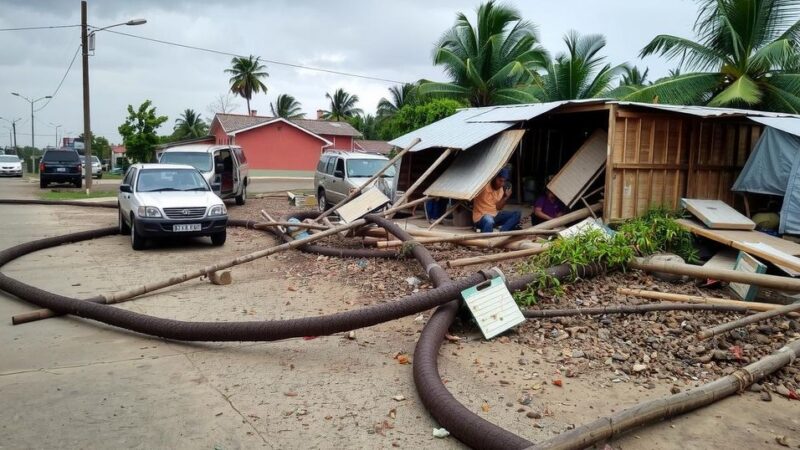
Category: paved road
[27,188]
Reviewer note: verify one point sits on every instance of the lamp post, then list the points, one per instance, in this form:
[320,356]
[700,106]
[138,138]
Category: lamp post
[32,102]
[87,127]
[14,129]
[56,127]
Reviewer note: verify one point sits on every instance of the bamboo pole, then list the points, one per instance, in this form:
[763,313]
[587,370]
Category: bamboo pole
[424,176]
[310,226]
[457,238]
[496,257]
[719,329]
[374,177]
[654,295]
[124,296]
[703,273]
[566,219]
[449,211]
[651,411]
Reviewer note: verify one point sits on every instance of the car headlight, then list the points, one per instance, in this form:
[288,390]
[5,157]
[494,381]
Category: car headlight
[149,211]
[217,210]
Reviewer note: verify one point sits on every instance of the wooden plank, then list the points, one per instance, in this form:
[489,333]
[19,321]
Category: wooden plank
[718,215]
[578,172]
[363,204]
[748,241]
[724,259]
[748,264]
[785,258]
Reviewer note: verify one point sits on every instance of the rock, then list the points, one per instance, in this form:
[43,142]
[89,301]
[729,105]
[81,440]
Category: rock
[675,390]
[523,362]
[766,396]
[534,415]
[440,433]
[762,339]
[639,367]
[666,258]
[351,335]
[578,354]
[781,440]
[720,355]
[755,387]
[398,398]
[525,400]
[620,357]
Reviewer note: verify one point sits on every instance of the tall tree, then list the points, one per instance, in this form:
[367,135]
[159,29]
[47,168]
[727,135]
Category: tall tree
[400,95]
[366,124]
[223,103]
[287,107]
[493,62]
[415,116]
[580,72]
[100,146]
[189,125]
[246,75]
[632,76]
[342,106]
[139,132]
[744,55]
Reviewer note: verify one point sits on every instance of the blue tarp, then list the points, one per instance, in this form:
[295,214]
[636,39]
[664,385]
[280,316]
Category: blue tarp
[774,169]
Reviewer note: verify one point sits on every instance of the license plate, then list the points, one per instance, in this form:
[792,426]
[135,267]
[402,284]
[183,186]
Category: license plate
[61,169]
[186,227]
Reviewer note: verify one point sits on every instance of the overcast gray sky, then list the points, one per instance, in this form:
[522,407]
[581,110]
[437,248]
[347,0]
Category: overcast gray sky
[392,40]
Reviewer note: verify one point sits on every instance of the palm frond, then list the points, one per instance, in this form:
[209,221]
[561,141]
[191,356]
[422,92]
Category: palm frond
[743,91]
[688,89]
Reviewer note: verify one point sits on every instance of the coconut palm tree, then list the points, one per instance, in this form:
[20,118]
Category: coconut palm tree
[246,75]
[343,106]
[493,62]
[745,55]
[287,107]
[632,76]
[401,95]
[189,125]
[366,124]
[579,73]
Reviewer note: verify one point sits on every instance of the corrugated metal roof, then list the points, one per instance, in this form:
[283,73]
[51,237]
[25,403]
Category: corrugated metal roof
[471,170]
[789,125]
[705,111]
[519,113]
[453,132]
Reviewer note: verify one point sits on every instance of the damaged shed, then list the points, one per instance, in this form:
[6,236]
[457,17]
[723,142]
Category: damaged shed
[654,154]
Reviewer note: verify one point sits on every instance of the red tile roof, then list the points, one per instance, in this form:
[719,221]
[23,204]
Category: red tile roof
[234,122]
[378,147]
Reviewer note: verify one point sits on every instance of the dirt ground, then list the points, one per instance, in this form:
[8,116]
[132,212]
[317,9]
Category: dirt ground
[73,383]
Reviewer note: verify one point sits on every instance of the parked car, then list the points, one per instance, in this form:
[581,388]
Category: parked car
[97,167]
[60,166]
[223,166]
[169,200]
[10,165]
[339,173]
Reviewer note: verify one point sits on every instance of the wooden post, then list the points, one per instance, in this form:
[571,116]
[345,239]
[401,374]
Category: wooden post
[423,177]
[458,238]
[719,329]
[497,257]
[358,190]
[560,221]
[449,211]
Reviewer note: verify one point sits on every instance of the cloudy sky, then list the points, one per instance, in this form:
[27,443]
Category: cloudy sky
[392,40]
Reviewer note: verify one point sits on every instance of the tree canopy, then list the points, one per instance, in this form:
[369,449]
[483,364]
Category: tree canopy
[342,106]
[139,132]
[246,75]
[287,107]
[189,125]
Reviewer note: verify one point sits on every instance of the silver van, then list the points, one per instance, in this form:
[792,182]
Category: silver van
[339,173]
[223,166]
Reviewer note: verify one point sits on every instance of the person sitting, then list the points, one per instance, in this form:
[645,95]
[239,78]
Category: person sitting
[487,211]
[547,207]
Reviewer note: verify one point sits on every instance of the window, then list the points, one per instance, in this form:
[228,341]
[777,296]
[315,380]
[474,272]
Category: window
[60,156]
[8,159]
[159,180]
[340,165]
[329,168]
[240,155]
[199,160]
[365,168]
[323,161]
[129,176]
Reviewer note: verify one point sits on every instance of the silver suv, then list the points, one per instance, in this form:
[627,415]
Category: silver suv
[339,173]
[223,166]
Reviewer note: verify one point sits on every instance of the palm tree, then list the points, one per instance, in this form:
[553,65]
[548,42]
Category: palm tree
[343,106]
[190,125]
[579,73]
[287,107]
[632,76]
[745,55]
[366,125]
[401,95]
[246,75]
[493,62]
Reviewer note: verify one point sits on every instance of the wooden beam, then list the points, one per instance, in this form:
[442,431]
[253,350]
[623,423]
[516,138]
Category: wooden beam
[497,257]
[424,176]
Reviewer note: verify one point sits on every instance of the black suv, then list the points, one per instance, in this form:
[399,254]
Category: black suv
[60,166]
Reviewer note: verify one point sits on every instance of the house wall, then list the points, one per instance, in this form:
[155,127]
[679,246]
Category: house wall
[280,146]
[657,159]
[340,142]
[219,134]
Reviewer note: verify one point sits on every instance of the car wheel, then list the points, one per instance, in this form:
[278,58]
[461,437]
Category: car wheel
[42,183]
[137,240]
[79,184]
[99,176]
[322,202]
[123,227]
[218,239]
[240,199]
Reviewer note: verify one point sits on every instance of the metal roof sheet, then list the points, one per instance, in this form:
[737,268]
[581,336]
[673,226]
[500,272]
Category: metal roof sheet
[705,111]
[789,125]
[519,113]
[452,132]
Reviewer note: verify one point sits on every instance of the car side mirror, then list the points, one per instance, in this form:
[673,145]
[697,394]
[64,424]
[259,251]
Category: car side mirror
[219,168]
[338,173]
[216,187]
[125,188]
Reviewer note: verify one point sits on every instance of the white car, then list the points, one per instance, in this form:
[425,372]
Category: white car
[97,167]
[10,165]
[169,200]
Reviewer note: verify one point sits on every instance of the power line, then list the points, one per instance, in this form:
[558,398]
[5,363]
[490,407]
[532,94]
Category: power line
[58,88]
[271,61]
[50,27]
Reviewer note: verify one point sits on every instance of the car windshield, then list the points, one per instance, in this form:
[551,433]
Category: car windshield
[61,156]
[8,158]
[199,160]
[95,159]
[364,168]
[160,180]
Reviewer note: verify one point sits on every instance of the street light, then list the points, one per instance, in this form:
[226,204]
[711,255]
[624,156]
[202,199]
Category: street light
[56,127]
[87,126]
[14,128]
[32,102]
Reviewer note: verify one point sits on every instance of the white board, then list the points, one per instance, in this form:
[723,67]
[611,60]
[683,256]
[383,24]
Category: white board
[585,225]
[777,257]
[748,264]
[574,178]
[717,215]
[362,205]
[493,307]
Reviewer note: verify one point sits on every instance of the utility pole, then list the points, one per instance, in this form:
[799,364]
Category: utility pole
[87,128]
[14,130]
[32,102]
